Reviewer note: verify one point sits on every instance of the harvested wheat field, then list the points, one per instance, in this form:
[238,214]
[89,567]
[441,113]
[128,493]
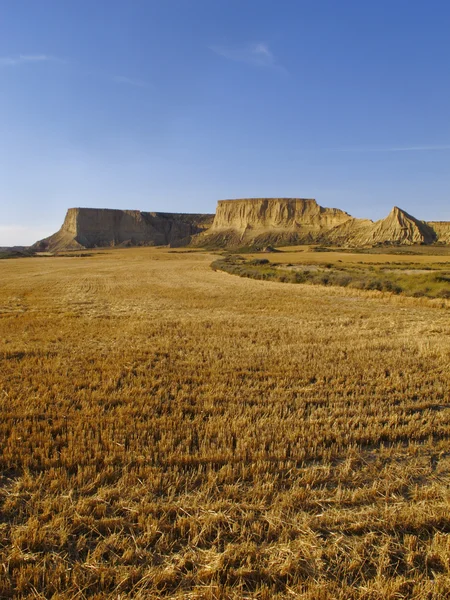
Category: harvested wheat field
[170,431]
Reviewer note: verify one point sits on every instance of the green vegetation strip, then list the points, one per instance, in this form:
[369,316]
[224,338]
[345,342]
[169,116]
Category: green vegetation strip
[411,279]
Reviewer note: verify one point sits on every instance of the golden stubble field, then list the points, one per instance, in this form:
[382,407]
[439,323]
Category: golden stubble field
[168,431]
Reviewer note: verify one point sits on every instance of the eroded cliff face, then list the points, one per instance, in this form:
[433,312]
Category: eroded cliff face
[275,213]
[263,221]
[402,228]
[398,228]
[260,221]
[442,230]
[97,227]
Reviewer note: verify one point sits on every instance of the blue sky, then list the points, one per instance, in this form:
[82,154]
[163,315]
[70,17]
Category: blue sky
[170,105]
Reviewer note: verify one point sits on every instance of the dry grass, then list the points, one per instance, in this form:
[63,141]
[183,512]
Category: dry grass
[173,432]
[424,255]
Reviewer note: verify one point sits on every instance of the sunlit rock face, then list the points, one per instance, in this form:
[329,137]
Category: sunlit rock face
[275,213]
[299,220]
[442,230]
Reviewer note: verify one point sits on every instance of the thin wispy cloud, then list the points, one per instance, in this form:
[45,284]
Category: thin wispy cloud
[12,61]
[129,81]
[254,54]
[419,148]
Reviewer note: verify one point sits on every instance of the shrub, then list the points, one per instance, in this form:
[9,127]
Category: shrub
[300,277]
[375,285]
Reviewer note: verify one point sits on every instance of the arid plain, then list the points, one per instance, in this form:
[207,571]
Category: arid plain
[170,431]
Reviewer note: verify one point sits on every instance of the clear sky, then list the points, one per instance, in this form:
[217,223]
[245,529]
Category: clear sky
[170,105]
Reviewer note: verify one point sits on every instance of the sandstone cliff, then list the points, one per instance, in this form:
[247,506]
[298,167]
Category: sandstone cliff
[398,228]
[264,221]
[95,227]
[271,220]
[274,213]
[401,228]
[442,230]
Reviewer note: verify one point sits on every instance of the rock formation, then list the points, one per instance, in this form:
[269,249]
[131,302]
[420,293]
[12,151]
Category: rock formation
[96,227]
[397,228]
[257,222]
[272,213]
[442,230]
[271,221]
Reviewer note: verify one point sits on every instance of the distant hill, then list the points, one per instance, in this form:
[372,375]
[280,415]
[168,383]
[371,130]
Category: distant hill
[253,222]
[15,251]
[13,248]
